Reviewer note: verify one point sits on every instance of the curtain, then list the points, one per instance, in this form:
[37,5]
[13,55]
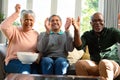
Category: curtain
[111,11]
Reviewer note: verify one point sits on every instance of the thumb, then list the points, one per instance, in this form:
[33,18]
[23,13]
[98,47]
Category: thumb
[6,63]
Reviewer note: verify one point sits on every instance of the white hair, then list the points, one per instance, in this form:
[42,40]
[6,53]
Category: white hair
[24,12]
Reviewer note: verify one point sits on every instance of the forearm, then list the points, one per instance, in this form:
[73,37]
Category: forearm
[77,40]
[9,21]
[69,43]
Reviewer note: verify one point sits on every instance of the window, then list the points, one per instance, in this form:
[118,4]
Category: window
[64,8]
[11,5]
[11,8]
[42,10]
[89,7]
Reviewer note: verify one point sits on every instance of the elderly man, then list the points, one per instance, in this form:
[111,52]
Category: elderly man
[101,41]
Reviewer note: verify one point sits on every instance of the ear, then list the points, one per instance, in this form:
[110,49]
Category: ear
[90,23]
[20,20]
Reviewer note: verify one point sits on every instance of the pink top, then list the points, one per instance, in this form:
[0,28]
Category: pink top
[18,40]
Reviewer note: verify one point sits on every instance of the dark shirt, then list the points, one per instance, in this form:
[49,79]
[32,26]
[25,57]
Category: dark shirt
[103,46]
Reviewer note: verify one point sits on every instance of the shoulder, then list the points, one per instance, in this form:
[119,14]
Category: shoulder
[36,32]
[88,33]
[42,33]
[112,29]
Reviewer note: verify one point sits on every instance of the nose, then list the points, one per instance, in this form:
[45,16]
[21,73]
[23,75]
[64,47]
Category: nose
[55,21]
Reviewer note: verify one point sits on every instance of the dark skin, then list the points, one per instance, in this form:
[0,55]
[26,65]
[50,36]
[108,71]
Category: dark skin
[76,25]
[97,23]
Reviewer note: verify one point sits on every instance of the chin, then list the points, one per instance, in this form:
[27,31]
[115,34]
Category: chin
[28,29]
[98,30]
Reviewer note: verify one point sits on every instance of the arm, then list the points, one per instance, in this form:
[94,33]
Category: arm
[69,42]
[9,21]
[6,25]
[77,40]
[69,39]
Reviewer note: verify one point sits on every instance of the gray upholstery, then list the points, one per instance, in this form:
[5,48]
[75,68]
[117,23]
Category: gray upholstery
[2,56]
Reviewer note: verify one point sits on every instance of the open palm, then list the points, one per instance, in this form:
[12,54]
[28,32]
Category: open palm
[47,25]
[76,24]
[67,24]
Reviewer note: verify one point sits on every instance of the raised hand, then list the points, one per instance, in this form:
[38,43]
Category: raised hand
[68,23]
[17,8]
[47,25]
[76,24]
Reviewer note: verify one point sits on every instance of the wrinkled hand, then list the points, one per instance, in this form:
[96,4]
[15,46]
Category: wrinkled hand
[17,8]
[47,25]
[76,24]
[68,23]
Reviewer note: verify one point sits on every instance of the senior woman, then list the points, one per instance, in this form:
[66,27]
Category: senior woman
[20,39]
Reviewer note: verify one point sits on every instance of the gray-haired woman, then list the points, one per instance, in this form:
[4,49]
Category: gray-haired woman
[20,39]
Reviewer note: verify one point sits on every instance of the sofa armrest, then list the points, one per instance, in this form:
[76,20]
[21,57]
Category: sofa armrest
[3,48]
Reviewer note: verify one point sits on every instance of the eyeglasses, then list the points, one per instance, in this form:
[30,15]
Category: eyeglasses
[97,20]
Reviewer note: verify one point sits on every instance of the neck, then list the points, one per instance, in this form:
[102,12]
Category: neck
[25,29]
[56,31]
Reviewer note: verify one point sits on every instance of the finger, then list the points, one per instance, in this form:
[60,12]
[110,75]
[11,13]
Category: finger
[6,63]
[46,22]
[73,21]
[78,20]
[17,7]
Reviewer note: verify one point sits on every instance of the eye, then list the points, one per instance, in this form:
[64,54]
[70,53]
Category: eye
[52,20]
[97,20]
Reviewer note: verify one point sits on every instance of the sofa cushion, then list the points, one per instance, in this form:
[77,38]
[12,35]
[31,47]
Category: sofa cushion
[2,57]
[74,56]
[86,54]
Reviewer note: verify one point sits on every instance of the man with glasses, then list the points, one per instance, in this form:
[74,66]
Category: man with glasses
[101,41]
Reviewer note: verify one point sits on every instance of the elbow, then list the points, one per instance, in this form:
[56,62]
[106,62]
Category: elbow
[78,45]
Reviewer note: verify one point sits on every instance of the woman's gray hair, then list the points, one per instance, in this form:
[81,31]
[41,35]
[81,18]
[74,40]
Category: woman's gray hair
[24,12]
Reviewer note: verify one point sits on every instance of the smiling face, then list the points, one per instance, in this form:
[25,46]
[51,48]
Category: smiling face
[27,22]
[55,23]
[97,22]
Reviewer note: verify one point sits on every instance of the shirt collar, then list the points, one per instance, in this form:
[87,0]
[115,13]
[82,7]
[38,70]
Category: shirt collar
[60,32]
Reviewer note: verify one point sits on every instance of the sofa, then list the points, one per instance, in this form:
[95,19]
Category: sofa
[73,56]
[2,56]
